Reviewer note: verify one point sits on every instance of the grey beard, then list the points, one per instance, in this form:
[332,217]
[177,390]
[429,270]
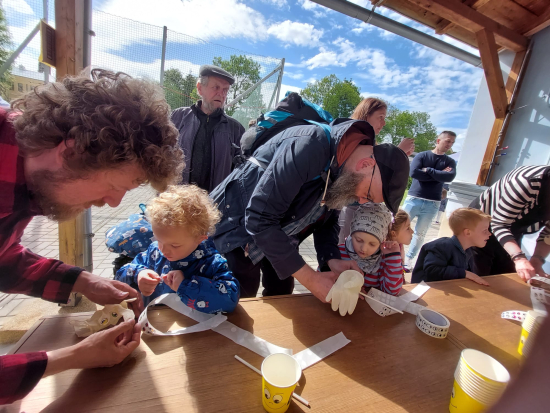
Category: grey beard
[342,192]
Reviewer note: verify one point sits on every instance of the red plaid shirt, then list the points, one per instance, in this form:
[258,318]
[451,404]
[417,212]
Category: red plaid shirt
[22,271]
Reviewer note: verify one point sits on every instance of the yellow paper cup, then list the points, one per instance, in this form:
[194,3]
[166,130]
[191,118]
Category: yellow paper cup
[532,319]
[280,374]
[479,381]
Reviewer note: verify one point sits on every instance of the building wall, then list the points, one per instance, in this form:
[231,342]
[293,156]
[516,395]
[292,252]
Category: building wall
[20,86]
[528,136]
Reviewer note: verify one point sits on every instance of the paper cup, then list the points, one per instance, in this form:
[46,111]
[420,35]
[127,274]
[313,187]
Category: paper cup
[532,318]
[280,374]
[479,381]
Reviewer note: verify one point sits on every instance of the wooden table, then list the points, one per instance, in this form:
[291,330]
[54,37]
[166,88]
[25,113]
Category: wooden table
[389,366]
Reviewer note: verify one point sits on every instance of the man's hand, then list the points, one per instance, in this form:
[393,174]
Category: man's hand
[318,283]
[407,146]
[103,291]
[339,266]
[448,169]
[476,278]
[148,281]
[173,279]
[103,349]
[524,269]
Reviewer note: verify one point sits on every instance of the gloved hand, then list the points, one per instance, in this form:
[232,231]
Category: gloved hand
[345,292]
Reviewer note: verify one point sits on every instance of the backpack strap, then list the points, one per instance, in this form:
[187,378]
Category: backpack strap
[327,130]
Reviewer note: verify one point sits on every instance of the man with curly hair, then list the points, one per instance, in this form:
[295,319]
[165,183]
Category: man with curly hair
[65,147]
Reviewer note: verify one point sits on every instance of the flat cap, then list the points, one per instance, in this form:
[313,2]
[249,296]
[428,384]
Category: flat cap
[210,70]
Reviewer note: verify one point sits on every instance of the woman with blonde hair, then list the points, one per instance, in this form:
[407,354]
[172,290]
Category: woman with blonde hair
[374,111]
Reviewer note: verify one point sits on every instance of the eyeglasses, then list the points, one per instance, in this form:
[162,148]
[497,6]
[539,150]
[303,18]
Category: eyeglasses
[369,199]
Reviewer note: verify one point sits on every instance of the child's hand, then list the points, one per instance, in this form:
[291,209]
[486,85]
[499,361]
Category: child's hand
[476,278]
[147,282]
[173,279]
[364,291]
[390,246]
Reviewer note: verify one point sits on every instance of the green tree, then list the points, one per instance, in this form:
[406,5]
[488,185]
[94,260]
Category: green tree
[179,90]
[5,52]
[246,72]
[403,123]
[338,97]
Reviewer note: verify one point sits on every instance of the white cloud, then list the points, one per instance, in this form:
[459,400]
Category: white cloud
[300,34]
[277,3]
[297,75]
[316,9]
[18,6]
[288,88]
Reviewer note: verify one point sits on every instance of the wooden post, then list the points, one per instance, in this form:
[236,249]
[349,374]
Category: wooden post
[69,61]
[497,125]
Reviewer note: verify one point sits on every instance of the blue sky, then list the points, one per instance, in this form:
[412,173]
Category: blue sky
[314,41]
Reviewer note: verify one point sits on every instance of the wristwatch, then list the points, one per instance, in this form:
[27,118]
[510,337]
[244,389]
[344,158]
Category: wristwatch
[540,258]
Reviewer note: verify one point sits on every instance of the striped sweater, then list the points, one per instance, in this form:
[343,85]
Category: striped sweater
[518,203]
[388,278]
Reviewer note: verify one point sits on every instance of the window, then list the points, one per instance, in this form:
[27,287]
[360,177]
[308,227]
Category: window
[20,87]
[12,86]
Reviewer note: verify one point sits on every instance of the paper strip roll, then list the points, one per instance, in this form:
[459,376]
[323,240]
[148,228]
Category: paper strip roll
[432,323]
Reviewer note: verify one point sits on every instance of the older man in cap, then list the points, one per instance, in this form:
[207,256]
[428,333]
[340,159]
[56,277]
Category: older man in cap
[293,187]
[209,138]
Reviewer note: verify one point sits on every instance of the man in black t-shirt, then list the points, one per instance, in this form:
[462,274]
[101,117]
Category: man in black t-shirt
[429,170]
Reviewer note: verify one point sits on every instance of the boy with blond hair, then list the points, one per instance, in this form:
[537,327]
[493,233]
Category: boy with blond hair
[445,258]
[182,259]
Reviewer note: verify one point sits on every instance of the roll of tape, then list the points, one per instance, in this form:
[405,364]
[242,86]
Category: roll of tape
[432,323]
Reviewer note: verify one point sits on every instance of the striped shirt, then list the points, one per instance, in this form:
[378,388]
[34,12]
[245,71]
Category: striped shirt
[516,205]
[388,278]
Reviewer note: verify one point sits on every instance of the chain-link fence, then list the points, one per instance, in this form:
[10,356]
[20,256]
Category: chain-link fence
[156,53]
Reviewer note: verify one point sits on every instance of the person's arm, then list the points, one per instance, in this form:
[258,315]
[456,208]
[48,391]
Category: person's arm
[446,175]
[209,280]
[542,250]
[391,273]
[437,268]
[417,166]
[325,240]
[298,162]
[20,373]
[128,274]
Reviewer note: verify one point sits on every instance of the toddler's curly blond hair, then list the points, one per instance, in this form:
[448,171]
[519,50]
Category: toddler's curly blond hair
[184,206]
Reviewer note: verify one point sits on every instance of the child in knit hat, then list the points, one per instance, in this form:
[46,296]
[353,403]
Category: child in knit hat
[383,267]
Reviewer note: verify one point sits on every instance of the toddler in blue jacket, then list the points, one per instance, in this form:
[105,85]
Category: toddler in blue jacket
[182,259]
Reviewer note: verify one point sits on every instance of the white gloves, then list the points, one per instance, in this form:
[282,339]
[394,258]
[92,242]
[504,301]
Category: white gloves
[345,291]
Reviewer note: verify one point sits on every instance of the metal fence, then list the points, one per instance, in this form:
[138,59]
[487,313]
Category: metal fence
[156,53]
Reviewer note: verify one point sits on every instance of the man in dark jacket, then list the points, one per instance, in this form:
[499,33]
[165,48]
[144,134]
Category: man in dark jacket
[209,138]
[278,198]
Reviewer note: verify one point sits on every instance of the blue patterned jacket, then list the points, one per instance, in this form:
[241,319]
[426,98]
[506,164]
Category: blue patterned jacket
[208,285]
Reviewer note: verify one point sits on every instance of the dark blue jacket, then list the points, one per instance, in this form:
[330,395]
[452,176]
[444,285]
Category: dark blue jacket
[225,143]
[441,259]
[256,204]
[429,184]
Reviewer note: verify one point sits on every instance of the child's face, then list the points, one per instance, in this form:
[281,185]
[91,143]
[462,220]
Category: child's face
[176,243]
[480,234]
[364,244]
[405,233]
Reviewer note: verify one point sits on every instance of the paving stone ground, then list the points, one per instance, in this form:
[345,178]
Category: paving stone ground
[41,236]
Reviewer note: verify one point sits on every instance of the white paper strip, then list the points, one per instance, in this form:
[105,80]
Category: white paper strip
[514,315]
[316,353]
[208,321]
[416,292]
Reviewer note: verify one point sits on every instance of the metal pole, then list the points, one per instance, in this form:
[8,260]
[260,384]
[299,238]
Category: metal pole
[360,13]
[88,259]
[45,18]
[17,51]
[251,88]
[163,57]
[280,80]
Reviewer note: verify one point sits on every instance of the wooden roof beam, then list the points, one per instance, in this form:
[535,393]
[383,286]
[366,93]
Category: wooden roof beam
[493,73]
[445,25]
[462,15]
[541,22]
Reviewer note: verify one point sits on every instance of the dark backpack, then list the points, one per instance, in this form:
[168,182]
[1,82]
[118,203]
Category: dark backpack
[293,110]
